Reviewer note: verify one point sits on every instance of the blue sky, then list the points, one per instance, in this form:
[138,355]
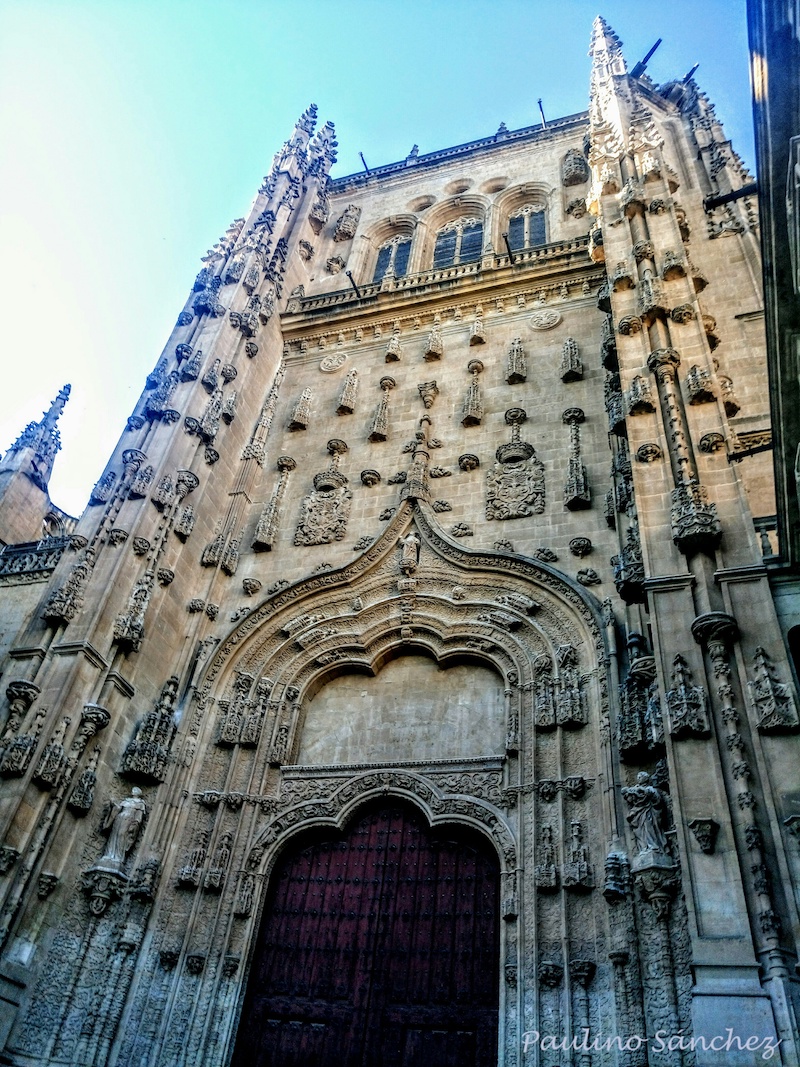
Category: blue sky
[134,131]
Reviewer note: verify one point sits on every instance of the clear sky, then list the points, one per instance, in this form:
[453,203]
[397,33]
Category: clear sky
[135,131]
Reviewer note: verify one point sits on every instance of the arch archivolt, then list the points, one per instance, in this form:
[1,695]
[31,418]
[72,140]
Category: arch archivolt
[331,802]
[513,616]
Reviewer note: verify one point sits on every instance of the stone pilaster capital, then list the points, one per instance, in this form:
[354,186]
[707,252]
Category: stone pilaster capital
[715,626]
[663,359]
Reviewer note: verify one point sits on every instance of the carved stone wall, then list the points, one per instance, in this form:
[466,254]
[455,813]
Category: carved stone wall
[560,636]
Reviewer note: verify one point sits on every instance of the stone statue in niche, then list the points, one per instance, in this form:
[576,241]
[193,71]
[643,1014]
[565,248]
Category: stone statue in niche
[122,824]
[647,815]
[515,484]
[410,553]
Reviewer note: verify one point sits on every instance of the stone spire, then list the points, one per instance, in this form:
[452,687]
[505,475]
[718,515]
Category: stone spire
[34,451]
[25,473]
[609,72]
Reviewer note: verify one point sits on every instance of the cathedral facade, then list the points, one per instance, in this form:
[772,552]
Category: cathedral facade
[411,689]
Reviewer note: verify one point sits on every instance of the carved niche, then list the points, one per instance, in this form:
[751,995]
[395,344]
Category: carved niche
[327,509]
[515,483]
[147,756]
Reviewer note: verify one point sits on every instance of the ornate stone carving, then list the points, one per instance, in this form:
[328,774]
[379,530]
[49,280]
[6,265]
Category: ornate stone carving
[140,486]
[580,546]
[772,700]
[379,430]
[577,496]
[409,555]
[515,484]
[48,770]
[574,169]
[477,335]
[695,526]
[699,386]
[103,489]
[546,319]
[347,223]
[17,753]
[648,816]
[82,796]
[629,568]
[687,704]
[434,346]
[302,412]
[129,626]
[731,404]
[348,394]
[546,870]
[267,528]
[516,363]
[8,857]
[45,884]
[428,392]
[614,405]
[588,576]
[705,832]
[571,365]
[147,756]
[578,873]
[326,510]
[468,462]
[640,397]
[472,408]
[65,602]
[640,726]
[106,879]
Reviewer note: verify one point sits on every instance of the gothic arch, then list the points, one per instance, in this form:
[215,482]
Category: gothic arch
[463,206]
[515,616]
[438,807]
[514,198]
[378,234]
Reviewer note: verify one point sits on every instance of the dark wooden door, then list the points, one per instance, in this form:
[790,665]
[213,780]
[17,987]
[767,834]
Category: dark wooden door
[378,948]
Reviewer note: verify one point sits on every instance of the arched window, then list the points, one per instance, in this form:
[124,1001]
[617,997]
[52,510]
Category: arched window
[458,242]
[393,258]
[526,227]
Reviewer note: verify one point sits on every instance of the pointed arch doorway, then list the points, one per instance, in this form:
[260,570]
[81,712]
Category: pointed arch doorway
[378,947]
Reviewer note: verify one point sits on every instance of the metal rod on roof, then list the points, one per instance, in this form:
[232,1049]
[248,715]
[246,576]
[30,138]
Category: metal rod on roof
[641,66]
[366,168]
[508,246]
[541,111]
[688,77]
[710,202]
[350,276]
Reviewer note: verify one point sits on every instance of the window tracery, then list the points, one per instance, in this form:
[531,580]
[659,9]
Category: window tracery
[460,241]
